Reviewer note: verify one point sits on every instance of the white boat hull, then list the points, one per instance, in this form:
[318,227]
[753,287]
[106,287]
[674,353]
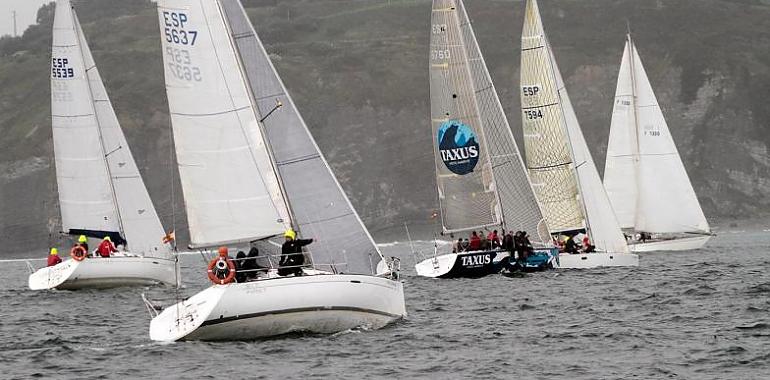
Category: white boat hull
[597,259]
[105,273]
[324,303]
[676,244]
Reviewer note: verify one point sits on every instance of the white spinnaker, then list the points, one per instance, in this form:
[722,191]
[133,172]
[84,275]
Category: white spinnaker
[231,191]
[85,195]
[546,144]
[667,200]
[141,226]
[620,168]
[467,200]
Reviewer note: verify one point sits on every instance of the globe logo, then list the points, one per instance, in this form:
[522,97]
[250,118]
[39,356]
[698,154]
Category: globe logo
[458,147]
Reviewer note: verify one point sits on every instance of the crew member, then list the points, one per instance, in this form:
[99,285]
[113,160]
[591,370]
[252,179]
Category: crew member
[83,242]
[54,258]
[291,254]
[475,242]
[570,246]
[106,248]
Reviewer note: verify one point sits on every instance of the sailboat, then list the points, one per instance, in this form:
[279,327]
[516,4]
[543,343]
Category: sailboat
[101,192]
[481,179]
[644,176]
[560,165]
[250,170]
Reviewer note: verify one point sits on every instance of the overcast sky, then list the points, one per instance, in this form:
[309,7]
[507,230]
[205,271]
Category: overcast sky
[26,12]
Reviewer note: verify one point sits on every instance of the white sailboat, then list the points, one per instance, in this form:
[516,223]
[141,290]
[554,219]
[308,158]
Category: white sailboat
[249,170]
[560,165]
[644,176]
[101,192]
[481,179]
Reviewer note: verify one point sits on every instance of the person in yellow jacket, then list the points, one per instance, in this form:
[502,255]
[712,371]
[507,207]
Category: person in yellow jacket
[53,257]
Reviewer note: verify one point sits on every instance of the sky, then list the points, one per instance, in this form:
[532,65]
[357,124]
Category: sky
[26,12]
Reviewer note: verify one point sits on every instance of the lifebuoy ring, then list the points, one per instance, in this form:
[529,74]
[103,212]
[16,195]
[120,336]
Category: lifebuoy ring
[78,253]
[219,264]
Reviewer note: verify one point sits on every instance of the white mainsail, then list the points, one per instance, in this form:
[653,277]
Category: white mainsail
[545,107]
[232,193]
[467,192]
[86,198]
[122,197]
[660,197]
[546,143]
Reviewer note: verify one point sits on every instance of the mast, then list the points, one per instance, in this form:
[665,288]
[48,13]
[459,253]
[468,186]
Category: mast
[635,134]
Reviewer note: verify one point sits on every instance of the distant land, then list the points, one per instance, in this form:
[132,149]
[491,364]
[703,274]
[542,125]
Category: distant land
[358,73]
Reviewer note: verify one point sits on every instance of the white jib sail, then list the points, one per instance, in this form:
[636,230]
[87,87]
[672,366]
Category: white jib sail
[141,226]
[667,200]
[231,191]
[85,194]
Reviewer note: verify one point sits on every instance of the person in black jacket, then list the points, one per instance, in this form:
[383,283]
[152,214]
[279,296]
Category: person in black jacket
[291,254]
[240,266]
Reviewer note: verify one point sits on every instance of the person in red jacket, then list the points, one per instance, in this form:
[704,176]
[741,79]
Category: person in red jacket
[475,243]
[493,240]
[54,258]
[106,248]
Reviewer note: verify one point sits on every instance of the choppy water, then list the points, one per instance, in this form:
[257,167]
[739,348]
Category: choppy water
[693,315]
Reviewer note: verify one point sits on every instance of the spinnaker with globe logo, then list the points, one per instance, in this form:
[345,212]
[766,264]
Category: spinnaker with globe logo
[481,179]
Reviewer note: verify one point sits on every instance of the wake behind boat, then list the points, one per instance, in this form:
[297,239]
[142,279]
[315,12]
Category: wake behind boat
[560,165]
[250,170]
[645,178]
[101,192]
[481,180]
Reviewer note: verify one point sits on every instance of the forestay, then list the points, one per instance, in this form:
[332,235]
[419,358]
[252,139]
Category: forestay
[520,209]
[466,187]
[546,143]
[666,199]
[86,198]
[231,191]
[319,206]
[601,222]
[141,225]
